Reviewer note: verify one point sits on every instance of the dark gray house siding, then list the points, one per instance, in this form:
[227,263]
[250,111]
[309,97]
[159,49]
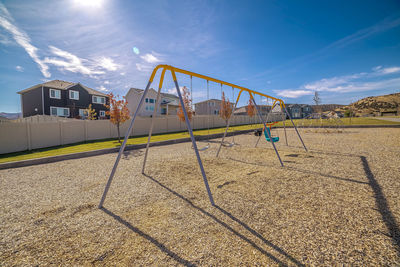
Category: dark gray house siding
[30,101]
[74,105]
[297,111]
[39,98]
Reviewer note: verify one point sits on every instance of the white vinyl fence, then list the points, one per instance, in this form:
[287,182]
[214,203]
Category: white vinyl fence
[21,136]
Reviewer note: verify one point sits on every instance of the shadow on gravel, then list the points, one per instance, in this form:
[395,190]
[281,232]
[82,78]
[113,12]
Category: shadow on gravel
[380,199]
[244,238]
[162,247]
[382,205]
[301,170]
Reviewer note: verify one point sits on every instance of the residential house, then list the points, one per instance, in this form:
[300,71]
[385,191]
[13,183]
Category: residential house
[299,111]
[168,106]
[264,109]
[209,107]
[61,98]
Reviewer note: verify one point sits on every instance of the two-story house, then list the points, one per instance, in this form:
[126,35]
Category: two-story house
[168,106]
[61,98]
[209,107]
[299,111]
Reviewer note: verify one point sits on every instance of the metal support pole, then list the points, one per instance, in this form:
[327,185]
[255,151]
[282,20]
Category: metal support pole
[258,140]
[295,128]
[151,127]
[227,125]
[265,126]
[284,128]
[121,150]
[203,173]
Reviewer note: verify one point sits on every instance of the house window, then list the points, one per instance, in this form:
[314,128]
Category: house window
[83,113]
[152,100]
[98,99]
[147,100]
[102,113]
[74,95]
[62,112]
[55,93]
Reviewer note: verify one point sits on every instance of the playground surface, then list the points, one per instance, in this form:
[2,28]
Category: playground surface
[336,204]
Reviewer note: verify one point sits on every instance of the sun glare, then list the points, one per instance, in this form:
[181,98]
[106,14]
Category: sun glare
[89,3]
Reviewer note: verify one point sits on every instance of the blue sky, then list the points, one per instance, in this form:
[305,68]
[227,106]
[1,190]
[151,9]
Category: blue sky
[346,50]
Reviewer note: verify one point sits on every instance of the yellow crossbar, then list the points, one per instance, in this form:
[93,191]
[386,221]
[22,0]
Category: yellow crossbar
[241,88]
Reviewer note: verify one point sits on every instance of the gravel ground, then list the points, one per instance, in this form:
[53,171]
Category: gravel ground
[337,204]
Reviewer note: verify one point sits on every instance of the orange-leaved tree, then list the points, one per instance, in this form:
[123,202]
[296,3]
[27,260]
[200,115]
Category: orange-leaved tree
[251,110]
[225,111]
[118,111]
[187,101]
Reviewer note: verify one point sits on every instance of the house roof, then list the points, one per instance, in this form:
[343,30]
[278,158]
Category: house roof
[208,100]
[137,90]
[170,95]
[62,85]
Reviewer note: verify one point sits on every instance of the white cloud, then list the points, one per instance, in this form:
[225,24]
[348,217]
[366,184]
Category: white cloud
[108,64]
[150,58]
[143,67]
[363,81]
[106,82]
[293,93]
[67,61]
[22,39]
[377,68]
[122,73]
[390,70]
[102,88]
[70,62]
[19,68]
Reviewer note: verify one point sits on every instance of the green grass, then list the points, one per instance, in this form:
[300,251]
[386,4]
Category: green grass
[110,143]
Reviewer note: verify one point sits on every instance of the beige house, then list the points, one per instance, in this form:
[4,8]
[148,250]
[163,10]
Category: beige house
[264,109]
[211,106]
[169,102]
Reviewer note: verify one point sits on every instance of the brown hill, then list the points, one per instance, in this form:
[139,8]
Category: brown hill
[377,105]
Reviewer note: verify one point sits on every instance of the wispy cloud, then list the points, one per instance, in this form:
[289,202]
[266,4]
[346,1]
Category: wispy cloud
[143,67]
[67,61]
[64,60]
[19,68]
[102,88]
[108,64]
[150,58]
[22,39]
[363,81]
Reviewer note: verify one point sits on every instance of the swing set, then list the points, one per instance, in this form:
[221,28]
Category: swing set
[174,70]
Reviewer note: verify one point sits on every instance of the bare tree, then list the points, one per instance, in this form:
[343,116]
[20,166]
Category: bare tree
[317,101]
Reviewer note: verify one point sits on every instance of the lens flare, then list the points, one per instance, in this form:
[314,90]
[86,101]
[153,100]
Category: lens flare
[136,50]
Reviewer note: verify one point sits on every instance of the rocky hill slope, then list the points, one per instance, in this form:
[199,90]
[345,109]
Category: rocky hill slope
[377,104]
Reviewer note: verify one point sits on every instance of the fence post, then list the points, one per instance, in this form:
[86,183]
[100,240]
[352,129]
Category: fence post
[109,127]
[85,129]
[61,132]
[28,135]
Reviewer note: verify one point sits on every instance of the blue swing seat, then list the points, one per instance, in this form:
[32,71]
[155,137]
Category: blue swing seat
[274,139]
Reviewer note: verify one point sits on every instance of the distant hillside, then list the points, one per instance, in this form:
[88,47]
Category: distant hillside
[11,116]
[377,104]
